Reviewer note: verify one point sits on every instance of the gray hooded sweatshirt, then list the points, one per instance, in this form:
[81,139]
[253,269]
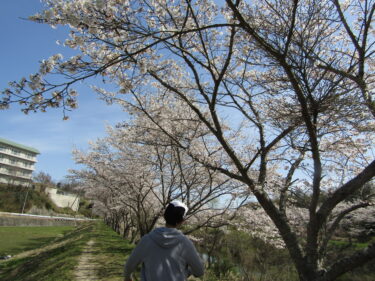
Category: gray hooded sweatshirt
[166,255]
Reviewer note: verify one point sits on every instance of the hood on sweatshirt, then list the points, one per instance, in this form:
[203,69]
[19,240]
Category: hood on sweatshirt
[166,237]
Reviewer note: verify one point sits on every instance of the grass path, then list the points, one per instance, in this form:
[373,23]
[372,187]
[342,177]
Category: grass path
[87,267]
[89,252]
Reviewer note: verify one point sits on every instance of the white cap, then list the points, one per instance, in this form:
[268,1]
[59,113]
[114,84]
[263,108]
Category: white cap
[177,203]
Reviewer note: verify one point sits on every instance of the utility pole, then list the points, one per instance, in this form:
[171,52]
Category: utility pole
[27,193]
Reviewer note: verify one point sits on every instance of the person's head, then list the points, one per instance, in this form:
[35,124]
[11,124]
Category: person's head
[175,213]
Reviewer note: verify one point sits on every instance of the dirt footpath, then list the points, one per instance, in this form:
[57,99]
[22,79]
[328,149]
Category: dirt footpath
[86,269]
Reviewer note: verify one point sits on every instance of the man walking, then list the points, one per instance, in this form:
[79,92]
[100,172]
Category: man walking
[165,253]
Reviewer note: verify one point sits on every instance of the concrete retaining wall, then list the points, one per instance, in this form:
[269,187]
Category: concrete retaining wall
[10,219]
[62,199]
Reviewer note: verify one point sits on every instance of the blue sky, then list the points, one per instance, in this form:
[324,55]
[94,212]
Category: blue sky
[23,44]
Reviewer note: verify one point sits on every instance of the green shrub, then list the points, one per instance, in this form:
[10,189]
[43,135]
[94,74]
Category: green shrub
[235,255]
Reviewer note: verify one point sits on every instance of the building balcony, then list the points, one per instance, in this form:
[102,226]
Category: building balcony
[22,156]
[14,181]
[18,165]
[15,174]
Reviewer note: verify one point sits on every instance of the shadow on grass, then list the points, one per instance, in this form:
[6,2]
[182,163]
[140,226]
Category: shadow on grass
[54,264]
[16,240]
[40,267]
[119,250]
[34,243]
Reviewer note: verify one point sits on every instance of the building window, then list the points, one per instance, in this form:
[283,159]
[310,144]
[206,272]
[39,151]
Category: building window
[29,155]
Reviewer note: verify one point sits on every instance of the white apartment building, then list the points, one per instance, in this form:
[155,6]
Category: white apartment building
[16,162]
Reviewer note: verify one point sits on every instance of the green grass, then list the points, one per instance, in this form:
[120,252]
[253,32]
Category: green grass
[17,239]
[54,264]
[59,263]
[113,253]
[344,243]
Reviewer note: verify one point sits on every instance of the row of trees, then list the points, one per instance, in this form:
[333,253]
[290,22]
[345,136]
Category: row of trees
[273,95]
[132,183]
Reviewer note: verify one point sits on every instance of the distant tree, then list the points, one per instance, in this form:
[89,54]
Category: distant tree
[70,185]
[43,178]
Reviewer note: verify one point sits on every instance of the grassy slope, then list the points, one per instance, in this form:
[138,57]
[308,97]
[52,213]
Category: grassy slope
[12,199]
[15,240]
[59,262]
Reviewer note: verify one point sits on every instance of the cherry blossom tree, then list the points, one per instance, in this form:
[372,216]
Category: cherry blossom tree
[275,94]
[134,181]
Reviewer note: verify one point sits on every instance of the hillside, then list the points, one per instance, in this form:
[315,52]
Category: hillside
[12,199]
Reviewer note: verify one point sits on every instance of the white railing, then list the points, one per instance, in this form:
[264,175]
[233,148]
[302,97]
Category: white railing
[19,155]
[47,217]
